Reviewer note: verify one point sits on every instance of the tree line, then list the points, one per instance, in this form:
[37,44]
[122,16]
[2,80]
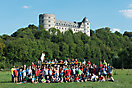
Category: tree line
[26,44]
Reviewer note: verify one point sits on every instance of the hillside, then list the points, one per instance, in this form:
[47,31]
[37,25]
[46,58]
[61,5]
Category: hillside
[26,45]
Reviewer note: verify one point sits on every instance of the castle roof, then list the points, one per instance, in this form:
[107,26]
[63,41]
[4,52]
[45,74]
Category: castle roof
[66,23]
[85,19]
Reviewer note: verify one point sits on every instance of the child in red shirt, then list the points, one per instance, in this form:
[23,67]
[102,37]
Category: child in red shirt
[100,65]
[76,61]
[15,75]
[89,63]
[77,79]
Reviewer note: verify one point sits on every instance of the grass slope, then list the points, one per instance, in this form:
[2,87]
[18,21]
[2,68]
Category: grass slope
[121,81]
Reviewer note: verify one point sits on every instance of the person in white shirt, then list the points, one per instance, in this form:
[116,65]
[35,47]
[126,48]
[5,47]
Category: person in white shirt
[65,62]
[84,62]
[30,71]
[42,57]
[46,72]
[74,71]
[24,73]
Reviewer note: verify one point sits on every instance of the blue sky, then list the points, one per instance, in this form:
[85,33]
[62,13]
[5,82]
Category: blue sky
[116,14]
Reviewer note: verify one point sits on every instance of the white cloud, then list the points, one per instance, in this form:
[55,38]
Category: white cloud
[127,13]
[130,6]
[26,7]
[115,29]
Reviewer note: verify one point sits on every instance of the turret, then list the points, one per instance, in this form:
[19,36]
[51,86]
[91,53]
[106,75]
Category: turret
[86,26]
[47,20]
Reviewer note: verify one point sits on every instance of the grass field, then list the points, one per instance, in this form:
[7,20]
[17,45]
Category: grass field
[121,81]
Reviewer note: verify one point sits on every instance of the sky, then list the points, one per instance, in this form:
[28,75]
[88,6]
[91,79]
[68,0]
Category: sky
[116,14]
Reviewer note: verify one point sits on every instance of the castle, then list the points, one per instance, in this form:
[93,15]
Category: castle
[48,21]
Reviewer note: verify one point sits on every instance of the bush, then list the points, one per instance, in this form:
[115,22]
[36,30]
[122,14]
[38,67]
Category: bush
[2,65]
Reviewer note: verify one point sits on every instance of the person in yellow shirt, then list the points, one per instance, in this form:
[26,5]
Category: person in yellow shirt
[12,73]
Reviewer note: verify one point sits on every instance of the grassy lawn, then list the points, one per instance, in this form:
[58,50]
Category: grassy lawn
[121,81]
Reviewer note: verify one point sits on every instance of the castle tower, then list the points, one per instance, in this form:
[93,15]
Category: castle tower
[86,26]
[47,20]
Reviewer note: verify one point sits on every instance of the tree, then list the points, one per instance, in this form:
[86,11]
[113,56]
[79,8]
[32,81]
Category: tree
[26,45]
[68,37]
[64,50]
[91,32]
[55,50]
[2,47]
[118,33]
[72,50]
[87,52]
[129,34]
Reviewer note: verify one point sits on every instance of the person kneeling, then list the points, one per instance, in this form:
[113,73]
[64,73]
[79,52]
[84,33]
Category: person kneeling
[43,80]
[33,80]
[57,79]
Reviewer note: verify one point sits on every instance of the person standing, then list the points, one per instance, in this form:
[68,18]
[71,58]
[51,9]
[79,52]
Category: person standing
[76,61]
[72,62]
[89,63]
[84,62]
[104,63]
[12,73]
[42,56]
[38,65]
[15,75]
[100,65]
[24,73]
[18,73]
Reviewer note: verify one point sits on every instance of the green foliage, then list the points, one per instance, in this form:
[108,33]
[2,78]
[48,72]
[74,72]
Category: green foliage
[118,33]
[26,45]
[2,47]
[129,34]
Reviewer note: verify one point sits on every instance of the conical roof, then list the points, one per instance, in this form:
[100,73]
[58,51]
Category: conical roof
[85,19]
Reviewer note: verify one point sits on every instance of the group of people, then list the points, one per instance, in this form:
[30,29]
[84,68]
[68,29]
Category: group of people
[62,71]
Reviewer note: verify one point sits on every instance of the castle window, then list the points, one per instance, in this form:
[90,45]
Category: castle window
[74,29]
[57,27]
[49,20]
[42,17]
[65,28]
[49,25]
[87,23]
[59,23]
[62,28]
[42,21]
[49,17]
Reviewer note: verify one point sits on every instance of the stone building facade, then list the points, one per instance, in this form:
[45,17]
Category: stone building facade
[49,21]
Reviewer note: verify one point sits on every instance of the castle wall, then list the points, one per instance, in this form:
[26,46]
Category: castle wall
[48,21]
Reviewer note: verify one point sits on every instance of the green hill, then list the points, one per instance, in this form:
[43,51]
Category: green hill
[26,45]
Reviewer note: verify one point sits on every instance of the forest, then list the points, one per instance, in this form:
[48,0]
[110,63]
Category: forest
[26,44]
